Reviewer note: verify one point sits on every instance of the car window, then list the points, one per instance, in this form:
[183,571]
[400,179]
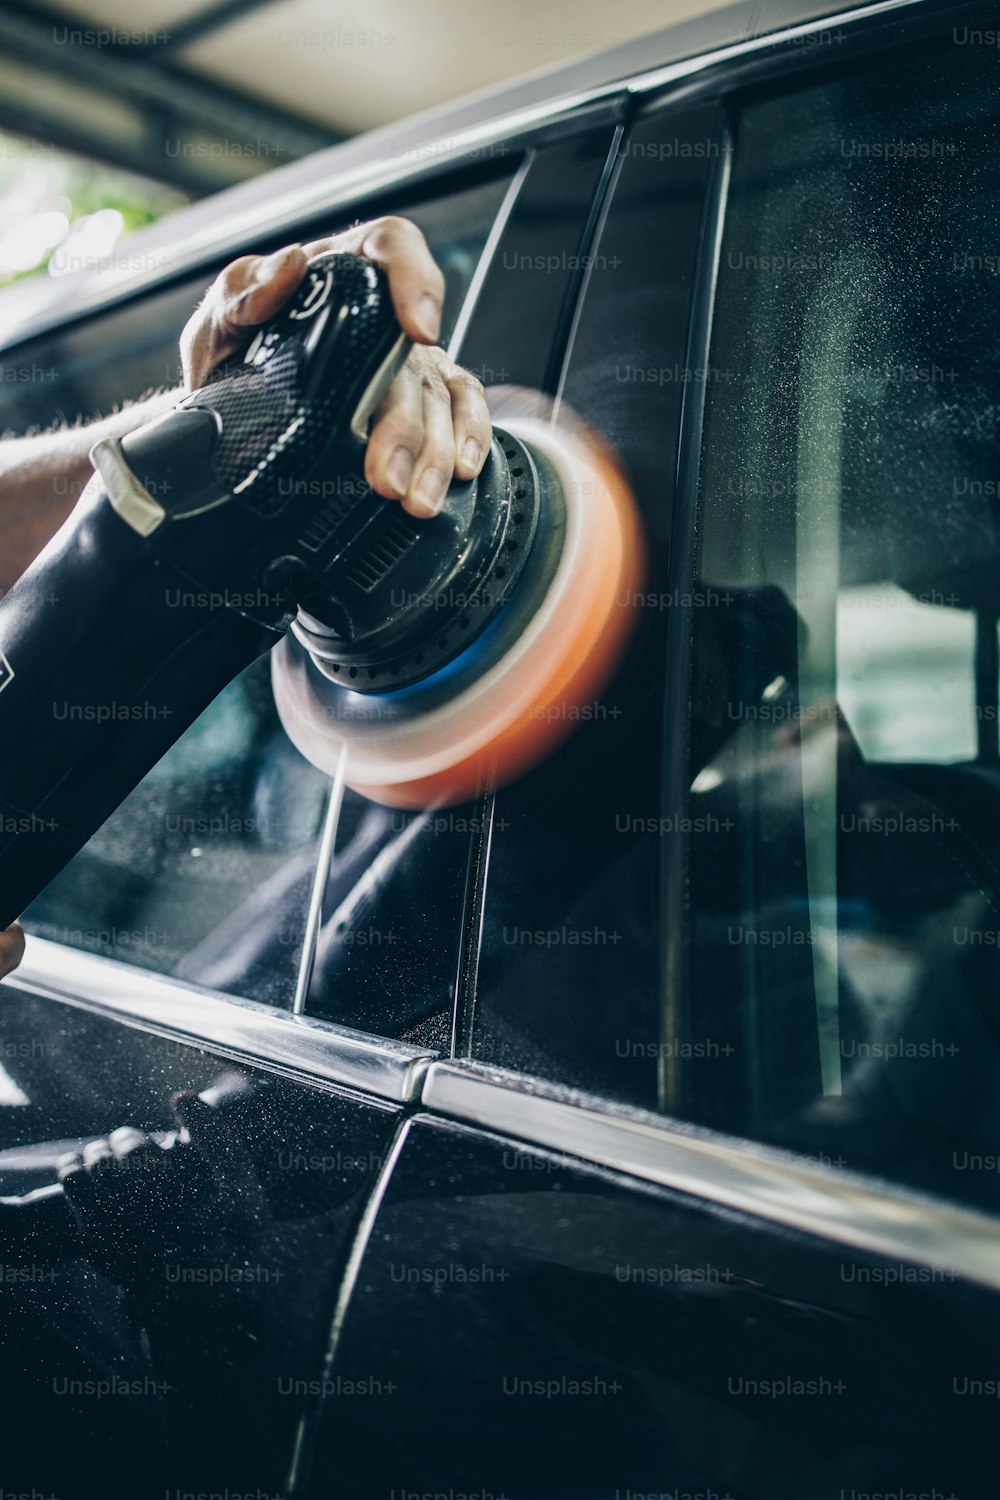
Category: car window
[219,842]
[403,889]
[567,971]
[838,920]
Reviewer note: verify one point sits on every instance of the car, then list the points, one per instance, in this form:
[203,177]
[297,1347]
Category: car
[635,1129]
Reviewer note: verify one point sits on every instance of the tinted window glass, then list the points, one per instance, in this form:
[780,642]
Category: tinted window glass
[220,836]
[569,964]
[205,871]
[844,888]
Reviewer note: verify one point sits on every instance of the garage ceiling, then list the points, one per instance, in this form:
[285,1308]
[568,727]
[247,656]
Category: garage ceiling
[361,63]
[262,81]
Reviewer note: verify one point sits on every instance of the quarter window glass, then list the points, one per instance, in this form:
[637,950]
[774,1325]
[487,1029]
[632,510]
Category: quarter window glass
[844,888]
[569,965]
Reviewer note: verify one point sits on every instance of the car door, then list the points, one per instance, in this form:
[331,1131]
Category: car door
[175,984]
[704,1202]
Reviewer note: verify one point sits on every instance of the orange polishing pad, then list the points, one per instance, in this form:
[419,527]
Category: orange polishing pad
[501,724]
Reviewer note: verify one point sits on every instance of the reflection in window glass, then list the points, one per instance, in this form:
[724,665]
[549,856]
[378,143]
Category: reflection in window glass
[844,924]
[906,687]
[215,844]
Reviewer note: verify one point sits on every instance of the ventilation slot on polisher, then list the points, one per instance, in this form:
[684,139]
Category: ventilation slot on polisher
[323,525]
[383,554]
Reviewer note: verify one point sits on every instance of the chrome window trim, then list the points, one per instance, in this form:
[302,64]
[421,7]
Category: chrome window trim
[320,880]
[831,1204]
[661,78]
[34,309]
[317,1051]
[736,1174]
[487,256]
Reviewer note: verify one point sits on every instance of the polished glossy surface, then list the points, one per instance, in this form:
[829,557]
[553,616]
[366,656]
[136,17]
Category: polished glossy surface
[790,1190]
[526,1327]
[479,1283]
[241,1029]
[171,1334]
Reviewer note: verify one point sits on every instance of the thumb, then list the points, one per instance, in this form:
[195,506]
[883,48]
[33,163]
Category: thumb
[272,280]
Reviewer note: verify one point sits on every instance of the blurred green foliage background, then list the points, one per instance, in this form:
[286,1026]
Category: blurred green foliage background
[61,213]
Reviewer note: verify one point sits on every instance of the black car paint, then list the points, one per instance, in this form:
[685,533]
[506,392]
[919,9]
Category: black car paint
[168,1354]
[494,1334]
[550,1330]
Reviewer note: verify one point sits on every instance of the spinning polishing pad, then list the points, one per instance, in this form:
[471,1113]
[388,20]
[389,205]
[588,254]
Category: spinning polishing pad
[514,657]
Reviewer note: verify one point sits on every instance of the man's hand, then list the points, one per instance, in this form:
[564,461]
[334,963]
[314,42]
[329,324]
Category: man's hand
[11,949]
[434,422]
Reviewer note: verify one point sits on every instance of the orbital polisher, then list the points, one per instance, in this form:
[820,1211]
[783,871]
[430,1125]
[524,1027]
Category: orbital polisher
[428,657]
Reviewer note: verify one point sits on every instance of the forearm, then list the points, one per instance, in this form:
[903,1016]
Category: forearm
[41,479]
